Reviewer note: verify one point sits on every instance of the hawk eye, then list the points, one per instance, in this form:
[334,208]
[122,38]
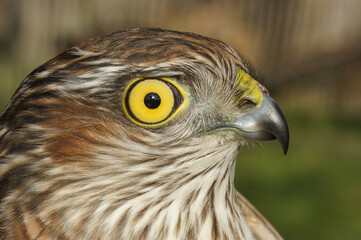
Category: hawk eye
[153,102]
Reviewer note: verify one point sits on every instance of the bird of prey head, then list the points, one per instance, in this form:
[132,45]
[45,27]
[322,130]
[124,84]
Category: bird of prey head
[134,135]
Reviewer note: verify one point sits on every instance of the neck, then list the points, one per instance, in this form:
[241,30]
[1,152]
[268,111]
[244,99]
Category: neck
[189,199]
[182,199]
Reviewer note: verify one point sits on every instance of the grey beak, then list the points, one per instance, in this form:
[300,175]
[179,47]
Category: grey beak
[265,123]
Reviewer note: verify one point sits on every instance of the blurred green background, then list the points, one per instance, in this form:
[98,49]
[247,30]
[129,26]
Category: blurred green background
[309,54]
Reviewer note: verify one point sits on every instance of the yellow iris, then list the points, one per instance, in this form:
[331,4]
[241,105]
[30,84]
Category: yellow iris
[152,102]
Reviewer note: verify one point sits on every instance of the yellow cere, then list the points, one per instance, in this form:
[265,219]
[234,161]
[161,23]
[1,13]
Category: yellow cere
[250,87]
[139,113]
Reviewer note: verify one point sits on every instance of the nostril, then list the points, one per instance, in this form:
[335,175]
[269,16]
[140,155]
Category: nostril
[245,104]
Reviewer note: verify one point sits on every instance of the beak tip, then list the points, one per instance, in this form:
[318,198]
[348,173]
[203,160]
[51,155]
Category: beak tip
[284,141]
[285,150]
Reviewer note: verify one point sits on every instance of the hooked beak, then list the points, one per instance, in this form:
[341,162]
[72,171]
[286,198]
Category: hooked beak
[264,123]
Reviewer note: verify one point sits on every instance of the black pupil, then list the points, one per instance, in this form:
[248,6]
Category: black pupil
[152,100]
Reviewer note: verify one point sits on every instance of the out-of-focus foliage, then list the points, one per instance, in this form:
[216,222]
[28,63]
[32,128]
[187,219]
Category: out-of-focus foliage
[313,192]
[309,53]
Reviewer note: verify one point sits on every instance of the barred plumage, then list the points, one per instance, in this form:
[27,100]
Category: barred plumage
[74,166]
